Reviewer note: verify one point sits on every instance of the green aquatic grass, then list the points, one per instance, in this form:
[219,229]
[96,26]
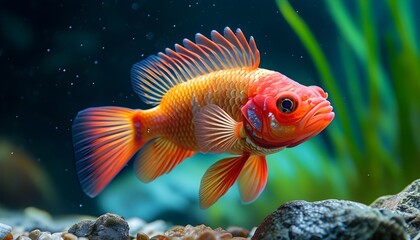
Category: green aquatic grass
[376,133]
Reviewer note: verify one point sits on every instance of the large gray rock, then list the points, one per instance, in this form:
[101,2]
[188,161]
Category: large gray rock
[106,227]
[330,219]
[405,203]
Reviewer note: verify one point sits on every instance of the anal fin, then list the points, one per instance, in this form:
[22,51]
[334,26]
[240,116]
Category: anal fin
[158,157]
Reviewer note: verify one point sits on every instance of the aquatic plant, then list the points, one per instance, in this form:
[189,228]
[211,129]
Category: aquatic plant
[375,138]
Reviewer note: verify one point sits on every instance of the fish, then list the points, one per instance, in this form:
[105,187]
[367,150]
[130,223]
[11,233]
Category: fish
[207,96]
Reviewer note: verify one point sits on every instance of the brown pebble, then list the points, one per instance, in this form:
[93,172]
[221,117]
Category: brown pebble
[69,236]
[225,235]
[207,236]
[34,234]
[188,238]
[238,231]
[160,237]
[142,236]
[8,237]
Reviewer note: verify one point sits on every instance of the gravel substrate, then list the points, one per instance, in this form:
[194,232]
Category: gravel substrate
[111,226]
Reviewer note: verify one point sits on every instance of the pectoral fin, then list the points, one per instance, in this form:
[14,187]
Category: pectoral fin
[253,178]
[219,178]
[215,130]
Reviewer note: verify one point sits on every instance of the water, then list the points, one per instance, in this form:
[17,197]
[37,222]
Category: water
[58,58]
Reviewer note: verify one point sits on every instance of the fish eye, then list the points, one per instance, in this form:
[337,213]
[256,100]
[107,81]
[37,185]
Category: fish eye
[286,105]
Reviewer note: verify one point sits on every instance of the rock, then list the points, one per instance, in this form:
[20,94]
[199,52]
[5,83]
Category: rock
[34,234]
[82,229]
[405,203]
[107,226]
[331,219]
[142,236]
[238,231]
[110,226]
[5,232]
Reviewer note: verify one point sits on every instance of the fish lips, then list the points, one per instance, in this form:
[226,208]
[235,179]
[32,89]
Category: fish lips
[316,120]
[318,117]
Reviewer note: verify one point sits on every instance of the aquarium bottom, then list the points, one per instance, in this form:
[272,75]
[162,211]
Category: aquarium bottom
[389,217]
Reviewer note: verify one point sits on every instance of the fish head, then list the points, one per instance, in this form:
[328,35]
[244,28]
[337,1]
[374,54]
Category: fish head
[286,113]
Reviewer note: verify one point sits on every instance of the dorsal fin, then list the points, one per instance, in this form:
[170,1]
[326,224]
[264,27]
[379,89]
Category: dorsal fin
[154,76]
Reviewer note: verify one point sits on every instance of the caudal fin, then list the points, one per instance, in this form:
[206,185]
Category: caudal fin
[104,140]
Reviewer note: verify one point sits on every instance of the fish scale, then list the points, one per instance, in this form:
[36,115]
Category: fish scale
[227,88]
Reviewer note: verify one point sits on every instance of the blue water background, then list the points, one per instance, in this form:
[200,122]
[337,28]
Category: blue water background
[60,57]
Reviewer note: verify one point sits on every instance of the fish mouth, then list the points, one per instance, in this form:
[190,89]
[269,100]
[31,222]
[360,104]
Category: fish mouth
[316,120]
[318,117]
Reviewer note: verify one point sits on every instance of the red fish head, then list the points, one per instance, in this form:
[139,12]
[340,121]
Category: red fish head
[286,113]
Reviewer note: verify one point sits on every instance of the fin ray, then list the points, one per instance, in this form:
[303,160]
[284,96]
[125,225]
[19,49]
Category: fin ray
[219,178]
[253,178]
[154,76]
[158,157]
[104,141]
[215,130]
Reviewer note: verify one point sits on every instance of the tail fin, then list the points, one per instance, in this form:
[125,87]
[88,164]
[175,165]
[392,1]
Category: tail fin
[104,140]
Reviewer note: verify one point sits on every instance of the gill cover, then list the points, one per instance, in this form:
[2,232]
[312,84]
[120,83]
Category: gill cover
[254,113]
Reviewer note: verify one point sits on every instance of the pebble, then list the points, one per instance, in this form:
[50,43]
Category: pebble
[142,236]
[34,235]
[9,236]
[238,231]
[200,232]
[5,232]
[69,236]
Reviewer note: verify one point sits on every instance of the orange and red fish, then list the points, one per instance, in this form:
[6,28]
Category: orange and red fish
[207,96]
